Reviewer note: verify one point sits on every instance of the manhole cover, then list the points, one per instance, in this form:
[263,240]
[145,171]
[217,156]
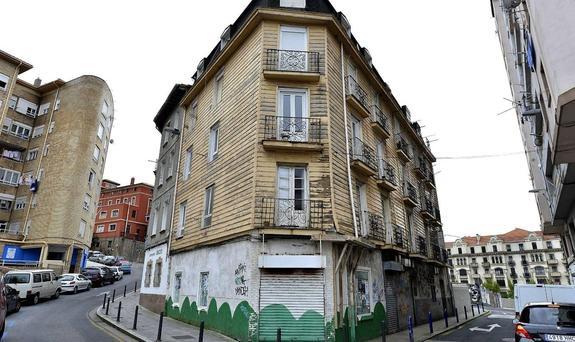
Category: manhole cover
[183,337]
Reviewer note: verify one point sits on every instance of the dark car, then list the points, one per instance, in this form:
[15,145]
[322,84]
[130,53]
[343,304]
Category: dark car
[12,300]
[99,275]
[546,322]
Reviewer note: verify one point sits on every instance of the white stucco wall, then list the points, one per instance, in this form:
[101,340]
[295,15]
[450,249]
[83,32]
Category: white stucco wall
[154,254]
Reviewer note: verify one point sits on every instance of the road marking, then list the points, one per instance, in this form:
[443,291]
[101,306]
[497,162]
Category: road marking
[491,327]
[501,316]
[508,339]
[102,293]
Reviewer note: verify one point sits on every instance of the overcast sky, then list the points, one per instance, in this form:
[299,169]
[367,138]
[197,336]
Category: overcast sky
[441,58]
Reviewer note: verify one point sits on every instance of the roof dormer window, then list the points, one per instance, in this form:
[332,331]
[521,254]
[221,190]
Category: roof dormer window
[201,68]
[292,3]
[225,37]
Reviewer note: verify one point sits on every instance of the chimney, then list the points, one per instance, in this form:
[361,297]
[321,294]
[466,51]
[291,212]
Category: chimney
[132,180]
[37,82]
[478,237]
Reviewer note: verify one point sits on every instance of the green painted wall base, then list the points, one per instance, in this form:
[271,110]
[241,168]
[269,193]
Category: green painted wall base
[366,328]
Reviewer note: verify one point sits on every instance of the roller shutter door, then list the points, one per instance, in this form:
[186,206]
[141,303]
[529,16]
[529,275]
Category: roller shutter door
[391,306]
[294,302]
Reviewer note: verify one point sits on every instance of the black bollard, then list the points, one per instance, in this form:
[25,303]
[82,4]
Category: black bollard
[482,307]
[465,309]
[478,311]
[119,310]
[108,306]
[383,331]
[445,318]
[136,287]
[113,295]
[160,326]
[456,315]
[105,296]
[201,337]
[430,322]
[279,335]
[135,326]
[472,311]
[125,290]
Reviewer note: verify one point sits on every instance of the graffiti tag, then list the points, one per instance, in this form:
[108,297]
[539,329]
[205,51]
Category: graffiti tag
[240,280]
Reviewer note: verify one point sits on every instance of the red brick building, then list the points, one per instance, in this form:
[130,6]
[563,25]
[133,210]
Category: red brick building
[122,219]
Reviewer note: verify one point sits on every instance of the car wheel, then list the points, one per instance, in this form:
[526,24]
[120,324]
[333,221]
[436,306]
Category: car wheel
[2,330]
[75,289]
[36,299]
[89,287]
[57,294]
[18,306]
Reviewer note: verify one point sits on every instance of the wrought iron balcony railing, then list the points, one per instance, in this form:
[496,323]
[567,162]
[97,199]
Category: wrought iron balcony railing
[376,227]
[289,213]
[511,263]
[387,172]
[444,255]
[410,191]
[380,118]
[355,90]
[362,152]
[526,274]
[421,245]
[436,252]
[524,263]
[403,146]
[292,61]
[398,240]
[427,205]
[422,167]
[513,275]
[300,130]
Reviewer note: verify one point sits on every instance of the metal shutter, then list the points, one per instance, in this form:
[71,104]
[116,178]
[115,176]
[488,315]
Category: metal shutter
[299,291]
[391,306]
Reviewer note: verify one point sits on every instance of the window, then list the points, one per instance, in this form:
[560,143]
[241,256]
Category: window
[45,277]
[91,176]
[177,287]
[165,133]
[292,194]
[533,245]
[82,229]
[213,142]
[494,248]
[472,249]
[459,251]
[203,295]
[38,131]
[521,247]
[100,131]
[118,201]
[160,175]
[115,213]
[193,115]
[134,212]
[219,87]
[188,164]
[51,127]
[13,101]
[103,214]
[133,200]
[170,163]
[96,153]
[26,107]
[155,214]
[158,273]
[549,244]
[87,200]
[57,104]
[46,150]
[109,202]
[112,227]
[483,249]
[5,204]
[110,244]
[125,200]
[165,216]
[208,206]
[292,3]
[508,248]
[100,228]
[105,109]
[17,129]
[148,274]
[9,177]
[363,298]
[182,219]
[551,256]
[44,109]
[32,154]
[4,82]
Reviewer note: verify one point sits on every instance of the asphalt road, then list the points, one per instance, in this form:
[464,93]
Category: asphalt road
[66,318]
[498,326]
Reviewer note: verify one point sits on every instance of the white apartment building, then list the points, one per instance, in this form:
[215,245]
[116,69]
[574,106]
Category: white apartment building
[518,256]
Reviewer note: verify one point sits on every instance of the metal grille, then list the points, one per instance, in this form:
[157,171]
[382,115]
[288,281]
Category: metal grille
[355,90]
[362,152]
[421,245]
[292,129]
[292,61]
[410,191]
[376,227]
[403,146]
[380,118]
[289,213]
[398,237]
[387,172]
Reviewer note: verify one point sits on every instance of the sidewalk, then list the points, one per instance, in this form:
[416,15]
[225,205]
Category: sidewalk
[147,328]
[421,332]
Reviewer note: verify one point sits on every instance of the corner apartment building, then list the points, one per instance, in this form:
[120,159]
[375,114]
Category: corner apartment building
[53,142]
[305,198]
[518,256]
[538,45]
[122,219]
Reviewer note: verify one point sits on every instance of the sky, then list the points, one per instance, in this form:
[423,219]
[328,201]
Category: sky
[441,58]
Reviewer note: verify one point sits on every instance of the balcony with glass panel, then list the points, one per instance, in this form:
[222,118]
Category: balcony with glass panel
[292,134]
[292,65]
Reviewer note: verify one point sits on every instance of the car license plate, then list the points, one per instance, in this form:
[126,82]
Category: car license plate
[560,338]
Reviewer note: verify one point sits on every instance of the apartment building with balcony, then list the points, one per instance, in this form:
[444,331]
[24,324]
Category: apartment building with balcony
[305,197]
[537,42]
[122,219]
[518,256]
[54,140]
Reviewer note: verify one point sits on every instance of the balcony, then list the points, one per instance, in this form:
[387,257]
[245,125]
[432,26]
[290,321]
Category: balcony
[526,275]
[474,265]
[420,248]
[376,227]
[499,275]
[290,65]
[409,194]
[403,149]
[291,134]
[427,209]
[363,158]
[421,170]
[485,264]
[552,261]
[11,234]
[436,253]
[555,274]
[524,263]
[357,98]
[511,263]
[285,213]
[379,122]
[430,180]
[386,179]
[398,240]
[476,276]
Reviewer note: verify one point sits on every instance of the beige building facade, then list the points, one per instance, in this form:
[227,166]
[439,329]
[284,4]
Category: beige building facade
[54,141]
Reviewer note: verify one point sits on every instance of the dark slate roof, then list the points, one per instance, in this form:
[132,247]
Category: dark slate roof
[171,103]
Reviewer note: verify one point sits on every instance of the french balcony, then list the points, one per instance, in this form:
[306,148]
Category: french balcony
[290,65]
[403,149]
[552,261]
[289,213]
[375,227]
[513,275]
[524,263]
[485,264]
[357,98]
[511,263]
[540,274]
[421,170]
[363,158]
[427,209]
[555,274]
[430,180]
[409,194]
[291,134]
[526,275]
[398,237]
[499,275]
[386,179]
[379,122]
[420,248]
[474,265]
[436,253]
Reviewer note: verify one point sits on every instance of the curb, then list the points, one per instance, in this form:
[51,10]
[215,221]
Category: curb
[125,331]
[457,325]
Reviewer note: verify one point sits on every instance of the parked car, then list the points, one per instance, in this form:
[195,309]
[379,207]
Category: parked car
[540,293]
[546,322]
[34,285]
[106,275]
[12,299]
[118,274]
[3,307]
[93,274]
[126,267]
[73,282]
[109,260]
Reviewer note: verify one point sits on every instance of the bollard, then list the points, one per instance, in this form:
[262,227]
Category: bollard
[201,337]
[136,287]
[430,321]
[160,326]
[478,311]
[472,311]
[125,290]
[410,328]
[483,307]
[279,335]
[445,318]
[135,318]
[465,308]
[105,296]
[119,310]
[383,331]
[113,295]
[108,306]
[456,315]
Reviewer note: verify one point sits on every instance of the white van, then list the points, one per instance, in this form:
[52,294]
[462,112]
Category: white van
[538,293]
[34,284]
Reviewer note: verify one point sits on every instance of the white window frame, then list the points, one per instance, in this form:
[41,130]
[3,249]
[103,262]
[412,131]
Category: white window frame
[20,203]
[208,211]
[164,216]
[293,3]
[82,229]
[207,302]
[219,87]
[32,154]
[87,201]
[100,228]
[9,177]
[156,217]
[165,133]
[188,163]
[369,290]
[213,142]
[91,178]
[57,104]
[110,227]
[96,154]
[115,213]
[6,80]
[100,133]
[38,131]
[26,107]
[193,115]
[44,109]
[103,214]
[15,127]
[182,219]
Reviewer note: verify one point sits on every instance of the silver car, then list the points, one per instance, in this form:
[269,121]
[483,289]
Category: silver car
[74,282]
[118,273]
